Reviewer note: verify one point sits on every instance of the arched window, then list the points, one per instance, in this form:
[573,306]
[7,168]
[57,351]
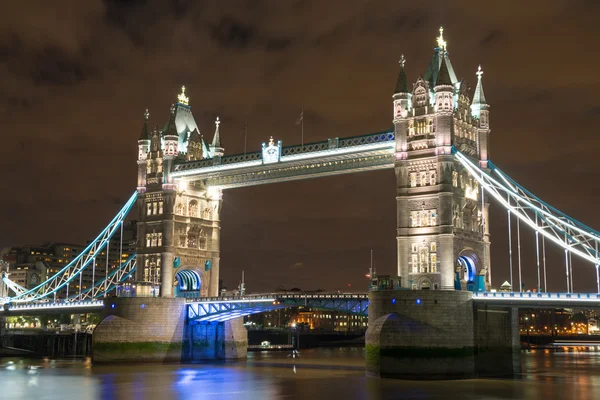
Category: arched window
[194,209]
[432,177]
[202,241]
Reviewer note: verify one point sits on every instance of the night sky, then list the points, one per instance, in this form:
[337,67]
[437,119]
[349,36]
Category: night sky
[78,75]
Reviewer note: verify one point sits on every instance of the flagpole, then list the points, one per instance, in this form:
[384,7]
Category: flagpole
[302,122]
[245,135]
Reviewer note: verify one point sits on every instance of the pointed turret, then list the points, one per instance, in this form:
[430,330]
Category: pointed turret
[478,102]
[401,83]
[402,96]
[171,128]
[216,142]
[170,135]
[145,135]
[143,149]
[216,149]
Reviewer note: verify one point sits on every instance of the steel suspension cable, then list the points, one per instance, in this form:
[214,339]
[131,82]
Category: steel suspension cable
[544,258]
[519,253]
[510,255]
[537,255]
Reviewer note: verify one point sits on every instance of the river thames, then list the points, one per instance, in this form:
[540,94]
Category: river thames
[317,374]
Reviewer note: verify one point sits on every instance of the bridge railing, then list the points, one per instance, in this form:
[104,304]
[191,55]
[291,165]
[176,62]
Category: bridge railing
[271,296]
[593,297]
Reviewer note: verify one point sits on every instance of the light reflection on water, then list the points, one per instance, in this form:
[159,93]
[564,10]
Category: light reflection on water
[317,374]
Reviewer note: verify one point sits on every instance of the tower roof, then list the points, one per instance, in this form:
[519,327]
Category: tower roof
[171,128]
[443,77]
[401,84]
[184,120]
[195,136]
[145,135]
[439,53]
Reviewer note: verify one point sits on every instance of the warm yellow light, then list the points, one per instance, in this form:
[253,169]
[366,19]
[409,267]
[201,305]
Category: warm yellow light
[182,98]
[440,40]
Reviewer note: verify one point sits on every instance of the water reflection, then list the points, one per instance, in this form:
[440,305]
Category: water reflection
[317,374]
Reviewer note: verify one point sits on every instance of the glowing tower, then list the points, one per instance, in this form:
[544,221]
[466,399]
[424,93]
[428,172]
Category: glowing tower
[442,230]
[178,227]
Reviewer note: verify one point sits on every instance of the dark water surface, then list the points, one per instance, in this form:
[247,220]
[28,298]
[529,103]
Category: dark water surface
[336,374]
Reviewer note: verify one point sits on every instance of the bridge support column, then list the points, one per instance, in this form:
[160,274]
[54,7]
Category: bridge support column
[422,334]
[219,340]
[166,275]
[141,329]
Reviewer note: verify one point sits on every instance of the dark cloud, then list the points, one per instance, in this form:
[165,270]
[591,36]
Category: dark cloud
[77,77]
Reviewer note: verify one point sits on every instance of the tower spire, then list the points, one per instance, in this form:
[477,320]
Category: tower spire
[145,135]
[401,83]
[182,98]
[479,96]
[442,44]
[216,138]
[216,149]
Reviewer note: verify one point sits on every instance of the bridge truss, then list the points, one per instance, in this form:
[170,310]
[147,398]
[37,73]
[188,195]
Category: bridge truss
[219,309]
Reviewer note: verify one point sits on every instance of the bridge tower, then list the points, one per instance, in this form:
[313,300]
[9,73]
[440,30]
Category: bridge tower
[178,223]
[442,217]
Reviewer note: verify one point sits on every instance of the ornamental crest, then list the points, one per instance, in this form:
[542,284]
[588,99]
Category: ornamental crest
[272,152]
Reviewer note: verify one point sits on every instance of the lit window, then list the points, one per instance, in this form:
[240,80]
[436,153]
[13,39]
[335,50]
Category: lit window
[149,209]
[160,207]
[413,179]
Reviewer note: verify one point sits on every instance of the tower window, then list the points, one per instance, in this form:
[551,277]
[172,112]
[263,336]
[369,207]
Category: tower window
[413,179]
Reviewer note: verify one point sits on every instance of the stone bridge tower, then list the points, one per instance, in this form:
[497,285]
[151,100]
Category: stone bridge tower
[178,223]
[442,230]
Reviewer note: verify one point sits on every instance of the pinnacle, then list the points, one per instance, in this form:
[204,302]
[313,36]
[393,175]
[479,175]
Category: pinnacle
[401,83]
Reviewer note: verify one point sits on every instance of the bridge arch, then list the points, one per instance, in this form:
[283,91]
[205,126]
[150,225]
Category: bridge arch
[469,264]
[188,282]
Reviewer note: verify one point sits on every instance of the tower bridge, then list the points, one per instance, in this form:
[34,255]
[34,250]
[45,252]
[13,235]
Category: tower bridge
[439,151]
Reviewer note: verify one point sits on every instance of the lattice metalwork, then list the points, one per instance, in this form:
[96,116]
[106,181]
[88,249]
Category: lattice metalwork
[367,139]
[240,158]
[571,235]
[72,270]
[307,148]
[218,309]
[106,284]
[282,173]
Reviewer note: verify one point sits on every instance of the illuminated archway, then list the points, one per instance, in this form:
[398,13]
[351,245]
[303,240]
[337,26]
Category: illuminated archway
[469,265]
[188,281]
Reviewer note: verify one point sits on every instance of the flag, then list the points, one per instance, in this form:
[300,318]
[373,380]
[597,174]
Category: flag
[300,118]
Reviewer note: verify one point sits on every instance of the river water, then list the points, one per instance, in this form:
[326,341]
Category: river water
[336,374]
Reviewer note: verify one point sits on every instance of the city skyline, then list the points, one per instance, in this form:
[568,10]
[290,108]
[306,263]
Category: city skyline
[88,100]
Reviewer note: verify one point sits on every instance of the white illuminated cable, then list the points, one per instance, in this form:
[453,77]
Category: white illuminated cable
[494,192]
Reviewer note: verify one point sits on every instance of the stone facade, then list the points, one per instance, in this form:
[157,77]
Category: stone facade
[179,226]
[441,214]
[141,330]
[439,335]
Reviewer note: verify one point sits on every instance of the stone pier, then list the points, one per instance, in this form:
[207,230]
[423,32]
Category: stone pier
[421,334]
[157,330]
